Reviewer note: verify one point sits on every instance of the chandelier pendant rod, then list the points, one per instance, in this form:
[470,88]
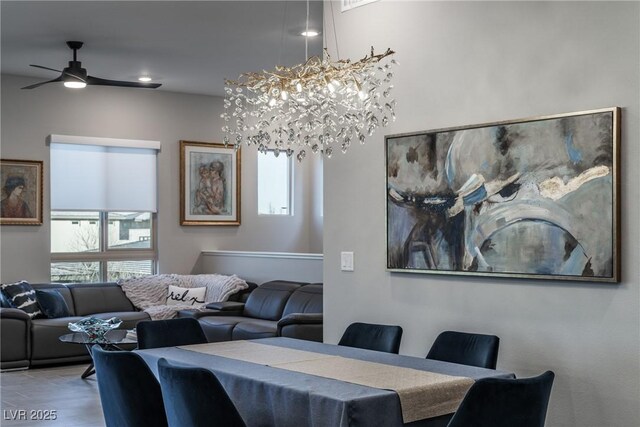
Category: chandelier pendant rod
[306,37]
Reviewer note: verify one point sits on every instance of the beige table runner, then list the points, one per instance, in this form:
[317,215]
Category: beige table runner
[261,354]
[422,394]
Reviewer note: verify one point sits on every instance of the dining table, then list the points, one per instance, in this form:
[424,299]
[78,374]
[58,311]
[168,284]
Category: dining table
[284,382]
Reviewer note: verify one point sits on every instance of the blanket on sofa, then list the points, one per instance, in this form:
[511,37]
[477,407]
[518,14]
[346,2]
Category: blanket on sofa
[149,293]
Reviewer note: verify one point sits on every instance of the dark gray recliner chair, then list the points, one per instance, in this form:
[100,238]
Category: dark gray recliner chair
[302,317]
[259,315]
[271,303]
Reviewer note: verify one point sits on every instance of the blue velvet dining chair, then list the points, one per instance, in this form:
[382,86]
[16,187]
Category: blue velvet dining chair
[195,398]
[499,402]
[372,337]
[129,392]
[169,333]
[466,349]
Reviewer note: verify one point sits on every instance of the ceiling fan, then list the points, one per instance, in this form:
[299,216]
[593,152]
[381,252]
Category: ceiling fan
[74,76]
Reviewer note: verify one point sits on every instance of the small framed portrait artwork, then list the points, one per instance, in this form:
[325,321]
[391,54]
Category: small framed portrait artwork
[21,200]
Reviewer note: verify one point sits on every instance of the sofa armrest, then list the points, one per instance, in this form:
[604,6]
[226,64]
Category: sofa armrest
[15,338]
[14,313]
[226,306]
[198,314]
[304,326]
[301,319]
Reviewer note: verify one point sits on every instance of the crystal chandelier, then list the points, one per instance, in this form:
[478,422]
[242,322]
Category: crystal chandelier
[316,106]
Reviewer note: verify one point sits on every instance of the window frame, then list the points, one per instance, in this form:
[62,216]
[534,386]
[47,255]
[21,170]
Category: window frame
[290,176]
[104,254]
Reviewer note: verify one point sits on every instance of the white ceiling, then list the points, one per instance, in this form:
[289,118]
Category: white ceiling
[187,46]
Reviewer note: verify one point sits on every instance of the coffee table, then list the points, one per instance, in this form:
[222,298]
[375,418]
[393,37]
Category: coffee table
[112,340]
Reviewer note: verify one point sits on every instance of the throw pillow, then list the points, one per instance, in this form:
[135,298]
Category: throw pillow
[4,303]
[21,295]
[52,304]
[185,296]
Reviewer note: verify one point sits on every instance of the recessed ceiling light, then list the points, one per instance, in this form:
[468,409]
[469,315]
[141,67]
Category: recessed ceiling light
[309,33]
[144,78]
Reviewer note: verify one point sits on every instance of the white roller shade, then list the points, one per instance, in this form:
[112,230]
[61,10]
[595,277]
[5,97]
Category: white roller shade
[102,177]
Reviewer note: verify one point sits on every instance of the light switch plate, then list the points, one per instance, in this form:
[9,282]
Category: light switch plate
[346,261]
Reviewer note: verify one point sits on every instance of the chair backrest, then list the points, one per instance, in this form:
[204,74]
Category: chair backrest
[243,295]
[194,397]
[372,337]
[92,298]
[169,333]
[130,393]
[497,402]
[466,349]
[267,301]
[305,299]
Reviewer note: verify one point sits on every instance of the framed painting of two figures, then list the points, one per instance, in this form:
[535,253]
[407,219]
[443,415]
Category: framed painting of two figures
[209,184]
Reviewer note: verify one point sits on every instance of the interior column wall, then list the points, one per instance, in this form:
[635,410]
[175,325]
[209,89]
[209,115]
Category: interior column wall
[474,62]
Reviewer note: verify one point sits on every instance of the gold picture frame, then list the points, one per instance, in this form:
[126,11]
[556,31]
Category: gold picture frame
[534,198]
[209,184]
[21,201]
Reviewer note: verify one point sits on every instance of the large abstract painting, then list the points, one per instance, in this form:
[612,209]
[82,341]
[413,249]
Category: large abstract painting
[532,198]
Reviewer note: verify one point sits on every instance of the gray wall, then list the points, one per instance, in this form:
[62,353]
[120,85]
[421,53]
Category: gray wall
[260,267]
[28,116]
[473,62]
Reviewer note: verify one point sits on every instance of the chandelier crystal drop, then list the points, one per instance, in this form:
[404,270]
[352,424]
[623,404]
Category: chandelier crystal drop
[318,106]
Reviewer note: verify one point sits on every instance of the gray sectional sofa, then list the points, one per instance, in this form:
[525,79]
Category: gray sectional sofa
[31,342]
[276,308]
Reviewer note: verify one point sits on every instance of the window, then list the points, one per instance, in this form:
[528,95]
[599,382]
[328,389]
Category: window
[274,184]
[103,208]
[101,246]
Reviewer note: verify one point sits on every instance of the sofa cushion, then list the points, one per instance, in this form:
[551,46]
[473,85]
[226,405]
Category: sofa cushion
[222,320]
[22,296]
[254,329]
[303,332]
[45,334]
[219,328]
[45,343]
[306,299]
[52,304]
[95,298]
[267,301]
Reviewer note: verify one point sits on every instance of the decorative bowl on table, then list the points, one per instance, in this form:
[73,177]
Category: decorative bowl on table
[96,329]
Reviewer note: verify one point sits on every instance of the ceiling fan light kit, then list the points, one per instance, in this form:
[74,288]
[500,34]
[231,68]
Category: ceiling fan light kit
[76,77]
[75,84]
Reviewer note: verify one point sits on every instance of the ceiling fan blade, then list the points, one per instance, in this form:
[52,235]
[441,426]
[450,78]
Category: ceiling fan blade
[45,68]
[59,79]
[104,82]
